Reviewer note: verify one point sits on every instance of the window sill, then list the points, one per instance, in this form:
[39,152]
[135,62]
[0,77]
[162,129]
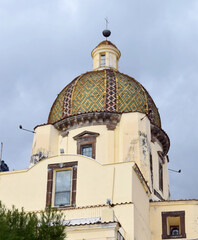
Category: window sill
[64,207]
[173,237]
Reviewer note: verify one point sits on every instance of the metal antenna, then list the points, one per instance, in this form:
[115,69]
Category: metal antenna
[177,171]
[1,154]
[20,126]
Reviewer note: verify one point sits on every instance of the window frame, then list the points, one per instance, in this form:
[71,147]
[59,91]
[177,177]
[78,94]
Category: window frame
[86,138]
[165,215]
[50,195]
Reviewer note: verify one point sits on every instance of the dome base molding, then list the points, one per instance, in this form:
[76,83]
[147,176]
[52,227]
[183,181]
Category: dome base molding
[89,119]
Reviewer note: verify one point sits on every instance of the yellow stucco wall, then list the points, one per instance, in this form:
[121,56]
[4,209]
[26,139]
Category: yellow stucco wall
[130,141]
[141,210]
[191,216]
[46,140]
[95,184]
[92,232]
[109,176]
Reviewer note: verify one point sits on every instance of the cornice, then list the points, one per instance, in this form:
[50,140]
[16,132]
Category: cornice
[88,119]
[161,136]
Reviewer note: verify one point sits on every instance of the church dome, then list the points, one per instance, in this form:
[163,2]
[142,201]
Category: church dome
[105,90]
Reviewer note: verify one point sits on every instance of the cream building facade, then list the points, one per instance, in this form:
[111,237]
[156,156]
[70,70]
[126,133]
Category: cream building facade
[102,159]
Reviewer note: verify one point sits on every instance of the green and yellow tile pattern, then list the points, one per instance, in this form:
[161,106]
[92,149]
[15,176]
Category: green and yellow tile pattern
[131,96]
[93,91]
[88,93]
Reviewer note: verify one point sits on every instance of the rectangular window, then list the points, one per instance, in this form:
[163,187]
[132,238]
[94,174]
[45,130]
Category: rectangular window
[102,60]
[173,225]
[160,175]
[61,184]
[86,150]
[63,188]
[151,168]
[86,143]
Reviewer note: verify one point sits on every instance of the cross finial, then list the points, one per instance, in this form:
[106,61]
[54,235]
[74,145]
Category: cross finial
[106,33]
[107,22]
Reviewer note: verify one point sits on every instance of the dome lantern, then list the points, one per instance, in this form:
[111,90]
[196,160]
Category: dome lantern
[105,56]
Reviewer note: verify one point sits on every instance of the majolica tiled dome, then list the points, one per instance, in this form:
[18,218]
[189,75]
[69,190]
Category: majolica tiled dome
[106,90]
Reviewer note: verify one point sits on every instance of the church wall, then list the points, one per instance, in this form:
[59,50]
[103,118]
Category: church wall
[191,220]
[95,183]
[130,141]
[112,146]
[103,182]
[92,232]
[134,134]
[140,201]
[45,140]
[104,142]
[128,138]
[49,140]
[144,146]
[119,145]
[125,215]
[26,188]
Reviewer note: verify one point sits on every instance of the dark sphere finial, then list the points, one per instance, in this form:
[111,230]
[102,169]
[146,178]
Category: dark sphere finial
[106,33]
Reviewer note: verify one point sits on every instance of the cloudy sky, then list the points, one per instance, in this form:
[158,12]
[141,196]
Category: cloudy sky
[45,44]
